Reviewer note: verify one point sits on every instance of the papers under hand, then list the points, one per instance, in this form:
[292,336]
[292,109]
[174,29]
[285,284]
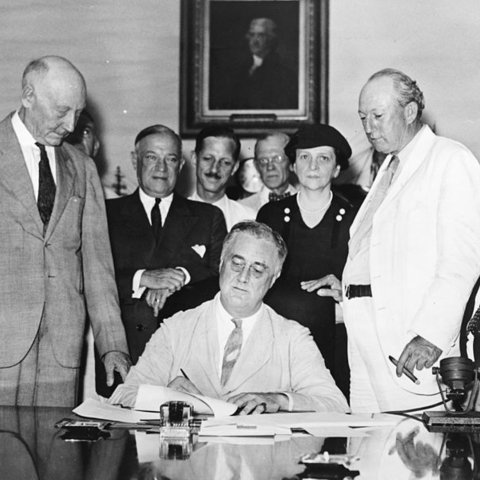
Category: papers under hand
[150,397]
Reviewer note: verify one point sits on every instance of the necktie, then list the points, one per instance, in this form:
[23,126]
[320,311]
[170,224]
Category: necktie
[46,187]
[156,219]
[375,202]
[232,350]
[275,197]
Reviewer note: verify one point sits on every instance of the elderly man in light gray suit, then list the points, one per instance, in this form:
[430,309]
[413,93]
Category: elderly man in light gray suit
[235,347]
[54,251]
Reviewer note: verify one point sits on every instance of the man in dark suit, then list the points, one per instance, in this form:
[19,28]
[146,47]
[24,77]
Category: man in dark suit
[166,248]
[54,252]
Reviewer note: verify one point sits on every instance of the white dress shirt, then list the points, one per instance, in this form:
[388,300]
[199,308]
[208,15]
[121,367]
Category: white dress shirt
[148,203]
[233,211]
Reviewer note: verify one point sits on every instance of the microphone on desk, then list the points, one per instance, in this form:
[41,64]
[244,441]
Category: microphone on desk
[459,375]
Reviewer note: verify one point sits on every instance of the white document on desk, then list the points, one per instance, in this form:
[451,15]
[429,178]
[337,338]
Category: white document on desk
[150,397]
[314,419]
[92,408]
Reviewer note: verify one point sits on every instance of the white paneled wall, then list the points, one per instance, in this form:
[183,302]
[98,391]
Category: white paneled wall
[129,54]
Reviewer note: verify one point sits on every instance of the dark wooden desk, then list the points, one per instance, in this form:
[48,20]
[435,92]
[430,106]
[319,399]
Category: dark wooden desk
[32,448]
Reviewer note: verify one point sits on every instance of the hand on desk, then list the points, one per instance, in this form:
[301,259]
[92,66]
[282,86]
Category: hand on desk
[182,384]
[319,285]
[249,403]
[118,361]
[418,353]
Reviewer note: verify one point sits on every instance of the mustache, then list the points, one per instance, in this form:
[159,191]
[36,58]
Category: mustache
[214,175]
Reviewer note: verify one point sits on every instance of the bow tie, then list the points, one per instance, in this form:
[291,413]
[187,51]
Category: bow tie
[274,197]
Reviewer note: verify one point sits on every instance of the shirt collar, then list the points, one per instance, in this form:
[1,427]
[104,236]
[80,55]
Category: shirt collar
[224,316]
[404,154]
[149,201]
[222,203]
[24,136]
[265,191]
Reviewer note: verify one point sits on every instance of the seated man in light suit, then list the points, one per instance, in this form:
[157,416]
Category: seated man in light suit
[166,249]
[265,363]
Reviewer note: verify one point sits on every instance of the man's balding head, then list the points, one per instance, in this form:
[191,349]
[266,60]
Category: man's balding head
[53,96]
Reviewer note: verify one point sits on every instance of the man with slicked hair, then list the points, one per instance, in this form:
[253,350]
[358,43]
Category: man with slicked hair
[54,249]
[166,249]
[217,149]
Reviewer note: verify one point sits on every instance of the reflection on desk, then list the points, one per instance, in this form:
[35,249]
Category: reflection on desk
[32,448]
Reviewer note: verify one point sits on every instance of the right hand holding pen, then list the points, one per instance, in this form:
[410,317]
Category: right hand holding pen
[419,353]
[182,384]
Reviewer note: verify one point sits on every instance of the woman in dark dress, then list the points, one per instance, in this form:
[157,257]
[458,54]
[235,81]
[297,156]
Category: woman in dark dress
[315,225]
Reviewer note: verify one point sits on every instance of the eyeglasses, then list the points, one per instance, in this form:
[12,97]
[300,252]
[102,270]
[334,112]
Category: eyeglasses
[276,159]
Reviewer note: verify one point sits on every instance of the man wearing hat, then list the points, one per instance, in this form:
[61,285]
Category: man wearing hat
[315,226]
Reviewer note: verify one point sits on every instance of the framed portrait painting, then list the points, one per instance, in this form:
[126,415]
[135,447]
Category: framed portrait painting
[254,65]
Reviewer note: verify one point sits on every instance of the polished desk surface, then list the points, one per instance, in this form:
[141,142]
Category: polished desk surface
[31,447]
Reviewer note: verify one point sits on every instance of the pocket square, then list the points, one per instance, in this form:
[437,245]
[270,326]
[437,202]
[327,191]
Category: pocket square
[200,249]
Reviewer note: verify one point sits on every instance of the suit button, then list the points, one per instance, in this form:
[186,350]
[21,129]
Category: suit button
[140,328]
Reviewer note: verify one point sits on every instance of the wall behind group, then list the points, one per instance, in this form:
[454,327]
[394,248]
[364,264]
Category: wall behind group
[129,53]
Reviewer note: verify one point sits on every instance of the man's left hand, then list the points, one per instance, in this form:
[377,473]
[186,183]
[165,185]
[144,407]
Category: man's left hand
[418,353]
[328,286]
[156,299]
[118,361]
[249,403]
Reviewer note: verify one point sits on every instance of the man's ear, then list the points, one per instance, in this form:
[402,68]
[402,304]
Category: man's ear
[134,158]
[235,168]
[193,158]
[182,163]
[96,146]
[411,111]
[274,278]
[28,96]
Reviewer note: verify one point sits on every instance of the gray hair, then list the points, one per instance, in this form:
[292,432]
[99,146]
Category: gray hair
[283,137]
[160,130]
[406,88]
[262,232]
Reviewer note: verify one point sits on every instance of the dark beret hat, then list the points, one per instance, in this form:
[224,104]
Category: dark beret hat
[319,135]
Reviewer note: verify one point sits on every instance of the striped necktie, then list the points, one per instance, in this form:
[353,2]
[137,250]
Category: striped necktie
[232,350]
[375,202]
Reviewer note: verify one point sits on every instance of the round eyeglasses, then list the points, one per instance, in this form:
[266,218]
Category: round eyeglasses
[275,159]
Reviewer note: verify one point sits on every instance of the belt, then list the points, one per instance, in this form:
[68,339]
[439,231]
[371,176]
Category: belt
[353,291]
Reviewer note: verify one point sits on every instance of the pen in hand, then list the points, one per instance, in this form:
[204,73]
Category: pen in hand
[406,371]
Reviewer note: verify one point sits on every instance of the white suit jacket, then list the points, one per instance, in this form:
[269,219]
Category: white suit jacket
[425,249]
[279,356]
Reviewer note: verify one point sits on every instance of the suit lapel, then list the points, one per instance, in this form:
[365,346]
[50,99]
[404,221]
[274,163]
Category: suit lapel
[64,185]
[14,175]
[207,349]
[178,225]
[413,164]
[137,227]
